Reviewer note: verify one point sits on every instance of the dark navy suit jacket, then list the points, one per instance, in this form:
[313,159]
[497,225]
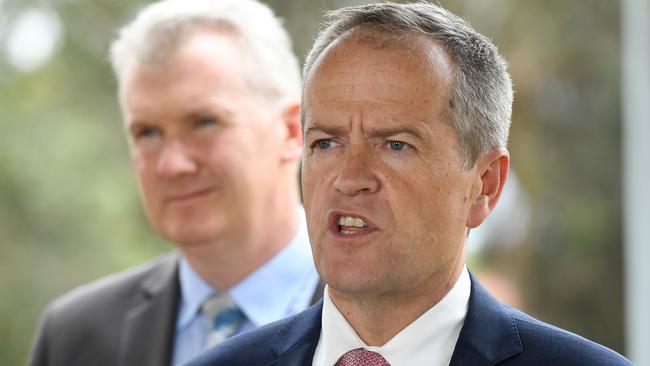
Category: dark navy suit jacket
[493,334]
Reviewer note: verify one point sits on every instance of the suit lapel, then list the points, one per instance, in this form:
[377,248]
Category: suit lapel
[318,292]
[147,339]
[295,343]
[489,334]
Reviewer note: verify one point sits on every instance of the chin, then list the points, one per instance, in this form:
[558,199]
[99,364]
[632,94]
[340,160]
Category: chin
[186,239]
[353,281]
[190,235]
[193,228]
[358,290]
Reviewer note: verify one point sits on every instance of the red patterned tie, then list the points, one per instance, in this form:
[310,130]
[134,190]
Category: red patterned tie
[361,357]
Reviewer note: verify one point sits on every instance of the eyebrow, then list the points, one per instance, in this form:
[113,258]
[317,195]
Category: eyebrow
[399,129]
[329,130]
[381,132]
[222,113]
[218,110]
[133,125]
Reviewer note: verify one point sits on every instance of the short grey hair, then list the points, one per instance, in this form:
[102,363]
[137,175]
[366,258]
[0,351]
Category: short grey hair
[163,26]
[480,104]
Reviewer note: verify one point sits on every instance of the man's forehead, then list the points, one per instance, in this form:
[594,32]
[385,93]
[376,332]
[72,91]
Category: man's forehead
[375,53]
[169,38]
[205,54]
[404,77]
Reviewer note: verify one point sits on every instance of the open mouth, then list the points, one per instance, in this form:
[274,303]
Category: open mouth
[348,225]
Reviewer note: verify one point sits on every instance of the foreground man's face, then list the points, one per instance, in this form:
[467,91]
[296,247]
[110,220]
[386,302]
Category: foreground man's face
[205,148]
[385,189]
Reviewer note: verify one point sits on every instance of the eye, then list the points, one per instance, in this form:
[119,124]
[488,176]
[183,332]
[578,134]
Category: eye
[324,144]
[206,121]
[146,132]
[397,145]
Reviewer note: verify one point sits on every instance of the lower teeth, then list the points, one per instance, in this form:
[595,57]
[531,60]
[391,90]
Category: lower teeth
[347,231]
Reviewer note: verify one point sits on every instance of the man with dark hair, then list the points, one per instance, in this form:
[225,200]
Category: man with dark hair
[406,112]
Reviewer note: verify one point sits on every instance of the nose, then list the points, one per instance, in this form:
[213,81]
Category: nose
[175,159]
[356,172]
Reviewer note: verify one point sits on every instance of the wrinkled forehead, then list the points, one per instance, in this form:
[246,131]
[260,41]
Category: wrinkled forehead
[417,50]
[411,67]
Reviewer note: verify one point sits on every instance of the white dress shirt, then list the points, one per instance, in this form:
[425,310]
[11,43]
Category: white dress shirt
[429,340]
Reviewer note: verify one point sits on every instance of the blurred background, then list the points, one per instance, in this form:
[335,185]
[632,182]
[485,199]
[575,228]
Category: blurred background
[70,212]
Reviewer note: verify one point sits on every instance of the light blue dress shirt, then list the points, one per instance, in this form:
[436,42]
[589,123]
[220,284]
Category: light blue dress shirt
[281,287]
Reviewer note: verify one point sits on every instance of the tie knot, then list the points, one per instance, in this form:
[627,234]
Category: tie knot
[361,357]
[224,317]
[215,304]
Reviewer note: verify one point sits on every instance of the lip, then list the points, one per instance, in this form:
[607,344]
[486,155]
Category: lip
[333,226]
[189,195]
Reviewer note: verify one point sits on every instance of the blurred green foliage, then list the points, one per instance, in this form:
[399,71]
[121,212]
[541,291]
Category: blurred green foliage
[69,209]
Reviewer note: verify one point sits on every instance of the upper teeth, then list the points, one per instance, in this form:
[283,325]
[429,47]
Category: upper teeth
[351,221]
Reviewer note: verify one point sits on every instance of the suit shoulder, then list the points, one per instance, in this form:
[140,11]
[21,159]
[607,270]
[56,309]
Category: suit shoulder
[108,292]
[546,344]
[243,349]
[86,324]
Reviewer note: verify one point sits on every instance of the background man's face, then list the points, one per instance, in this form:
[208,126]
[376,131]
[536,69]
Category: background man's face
[205,148]
[381,154]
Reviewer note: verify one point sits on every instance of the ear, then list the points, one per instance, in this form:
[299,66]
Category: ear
[293,141]
[492,171]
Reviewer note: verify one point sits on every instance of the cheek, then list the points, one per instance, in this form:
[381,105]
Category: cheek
[221,153]
[235,149]
[148,181]
[315,192]
[428,205]
[139,160]
[309,180]
[144,170]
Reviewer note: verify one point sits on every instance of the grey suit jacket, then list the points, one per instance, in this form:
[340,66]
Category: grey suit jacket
[124,319]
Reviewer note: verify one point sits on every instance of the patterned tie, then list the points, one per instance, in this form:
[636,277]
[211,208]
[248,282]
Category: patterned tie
[224,315]
[361,357]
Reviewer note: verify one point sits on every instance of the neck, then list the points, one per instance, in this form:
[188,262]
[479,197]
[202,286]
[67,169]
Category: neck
[227,260]
[378,318]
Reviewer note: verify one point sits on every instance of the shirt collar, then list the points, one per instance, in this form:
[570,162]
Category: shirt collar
[269,293]
[429,340]
[194,291]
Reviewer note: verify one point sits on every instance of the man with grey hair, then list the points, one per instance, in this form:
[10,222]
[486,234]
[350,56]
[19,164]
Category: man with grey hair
[210,94]
[406,118]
